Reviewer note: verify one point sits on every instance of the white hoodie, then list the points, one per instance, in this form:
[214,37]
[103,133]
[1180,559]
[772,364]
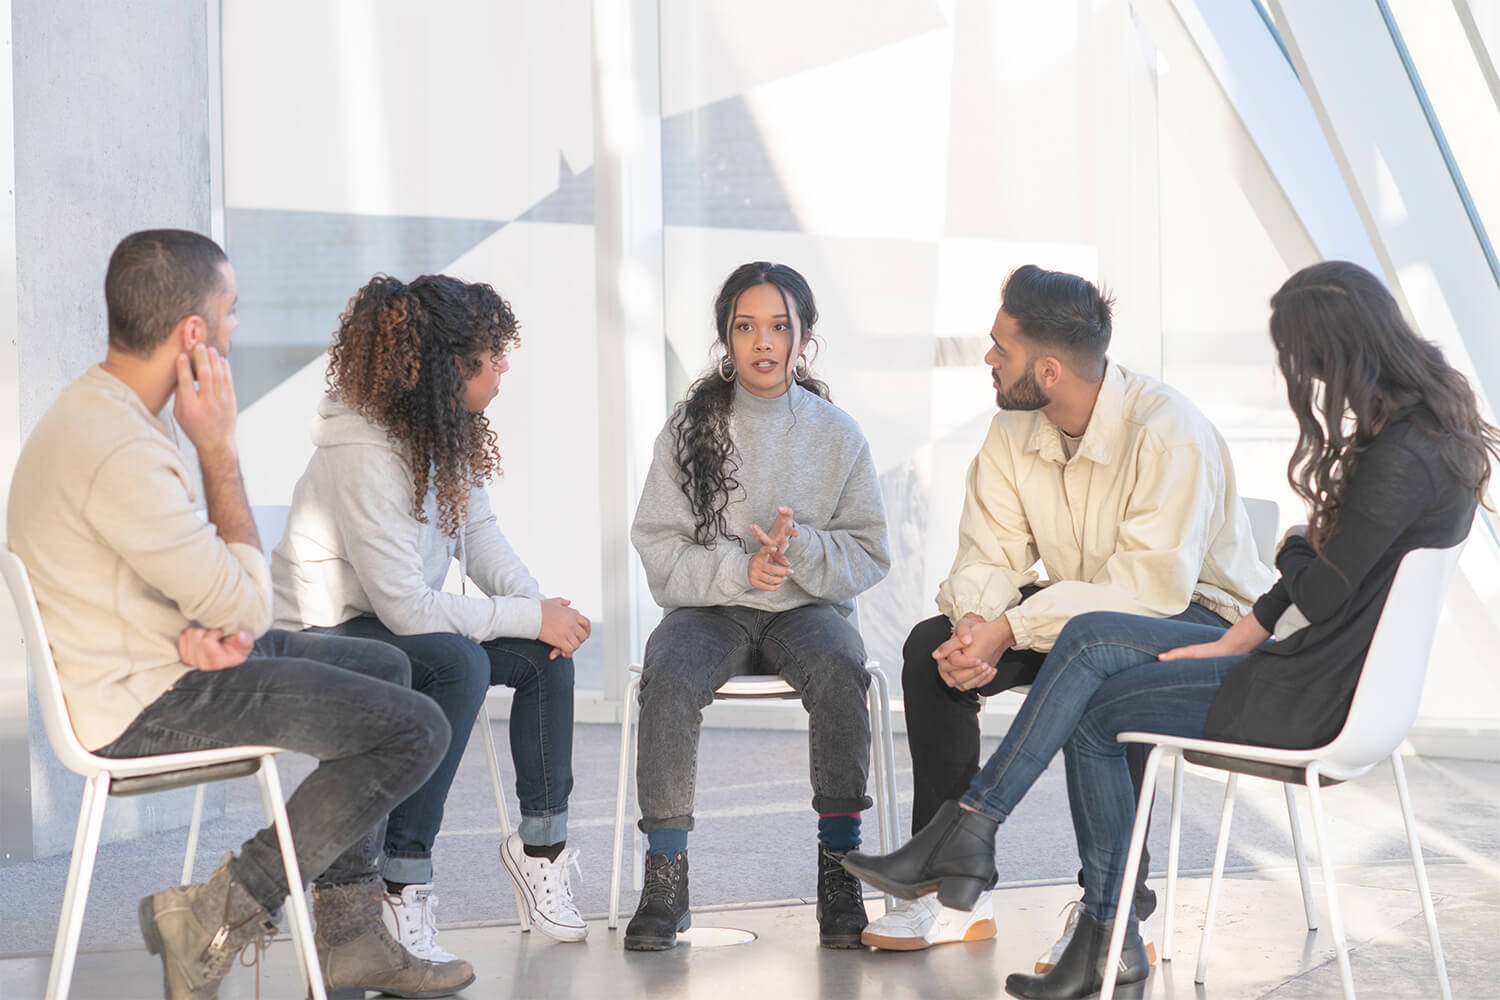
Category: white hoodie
[352,546]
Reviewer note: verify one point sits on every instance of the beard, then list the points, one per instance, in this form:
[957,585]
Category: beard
[1024,394]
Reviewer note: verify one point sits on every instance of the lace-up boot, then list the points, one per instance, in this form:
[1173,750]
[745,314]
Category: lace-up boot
[199,930]
[841,904]
[663,909]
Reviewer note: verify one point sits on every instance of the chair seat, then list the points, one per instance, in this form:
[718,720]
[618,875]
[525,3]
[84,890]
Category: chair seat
[1296,760]
[170,763]
[1256,768]
[162,781]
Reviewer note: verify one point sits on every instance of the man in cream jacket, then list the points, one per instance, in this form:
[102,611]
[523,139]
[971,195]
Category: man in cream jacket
[1119,488]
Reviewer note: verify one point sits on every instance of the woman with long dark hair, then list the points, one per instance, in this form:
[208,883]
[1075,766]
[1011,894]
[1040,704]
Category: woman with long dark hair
[757,443]
[394,494]
[1392,455]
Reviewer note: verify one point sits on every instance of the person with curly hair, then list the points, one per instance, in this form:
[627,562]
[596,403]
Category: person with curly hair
[393,495]
[1392,455]
[756,441]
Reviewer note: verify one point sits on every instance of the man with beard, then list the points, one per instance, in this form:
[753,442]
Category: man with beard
[1123,491]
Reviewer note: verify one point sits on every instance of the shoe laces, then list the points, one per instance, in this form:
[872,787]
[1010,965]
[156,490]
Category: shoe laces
[557,884]
[662,882]
[839,884]
[426,918]
[1074,910]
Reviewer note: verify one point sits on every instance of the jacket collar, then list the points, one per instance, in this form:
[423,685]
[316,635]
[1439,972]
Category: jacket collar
[1101,436]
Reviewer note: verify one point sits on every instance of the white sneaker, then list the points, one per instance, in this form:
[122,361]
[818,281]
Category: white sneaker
[411,920]
[1074,910]
[920,923]
[547,889]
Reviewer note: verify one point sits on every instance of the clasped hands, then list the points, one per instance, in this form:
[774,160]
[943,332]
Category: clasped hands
[967,660]
[769,568]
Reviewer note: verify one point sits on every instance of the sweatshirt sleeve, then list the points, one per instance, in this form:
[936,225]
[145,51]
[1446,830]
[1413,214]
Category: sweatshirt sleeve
[140,503]
[1162,541]
[1390,488]
[851,553]
[995,547]
[382,545]
[680,572]
[491,562]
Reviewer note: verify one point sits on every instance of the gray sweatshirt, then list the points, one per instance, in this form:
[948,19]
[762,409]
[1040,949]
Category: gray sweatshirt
[809,456]
[352,546]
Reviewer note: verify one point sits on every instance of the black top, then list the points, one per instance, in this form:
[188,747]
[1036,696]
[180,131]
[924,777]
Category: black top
[1296,693]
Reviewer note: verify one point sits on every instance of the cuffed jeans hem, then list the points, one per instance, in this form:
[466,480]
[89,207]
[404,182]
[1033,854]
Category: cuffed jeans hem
[268,890]
[406,871]
[828,804]
[976,802]
[543,831]
[670,823]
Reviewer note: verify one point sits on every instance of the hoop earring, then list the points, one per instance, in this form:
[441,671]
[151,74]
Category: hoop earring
[726,368]
[801,371]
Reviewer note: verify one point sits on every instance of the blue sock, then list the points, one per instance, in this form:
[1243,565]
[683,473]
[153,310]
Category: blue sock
[839,831]
[666,841]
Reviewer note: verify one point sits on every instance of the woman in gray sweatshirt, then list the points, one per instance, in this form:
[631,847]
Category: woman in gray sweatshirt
[760,522]
[394,494]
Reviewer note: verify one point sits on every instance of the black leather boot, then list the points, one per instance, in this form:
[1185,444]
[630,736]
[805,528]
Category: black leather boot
[953,855]
[841,904]
[1079,971]
[663,909]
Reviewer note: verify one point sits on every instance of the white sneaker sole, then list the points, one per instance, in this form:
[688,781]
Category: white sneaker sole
[540,921]
[979,930]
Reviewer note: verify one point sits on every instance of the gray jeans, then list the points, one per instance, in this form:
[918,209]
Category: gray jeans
[696,650]
[346,702]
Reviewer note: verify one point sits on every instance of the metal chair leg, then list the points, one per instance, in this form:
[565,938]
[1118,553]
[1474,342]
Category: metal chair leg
[620,791]
[192,841]
[76,894]
[1414,843]
[1309,906]
[298,918]
[1132,865]
[1174,857]
[1221,850]
[1330,884]
[483,723]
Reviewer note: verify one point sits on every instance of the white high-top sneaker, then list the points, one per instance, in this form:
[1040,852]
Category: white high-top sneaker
[411,920]
[547,889]
[1074,910]
[920,923]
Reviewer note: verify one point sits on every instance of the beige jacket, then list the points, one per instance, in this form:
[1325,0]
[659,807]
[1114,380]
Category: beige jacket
[102,514]
[1145,518]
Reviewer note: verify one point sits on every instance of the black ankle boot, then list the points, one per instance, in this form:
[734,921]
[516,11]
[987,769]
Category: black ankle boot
[1080,969]
[663,909]
[841,904]
[953,855]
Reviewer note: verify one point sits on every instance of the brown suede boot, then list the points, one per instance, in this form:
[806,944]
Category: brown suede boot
[198,930]
[356,953]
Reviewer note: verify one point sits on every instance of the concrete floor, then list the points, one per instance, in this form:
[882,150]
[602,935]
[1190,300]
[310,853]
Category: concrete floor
[1262,950]
[753,869]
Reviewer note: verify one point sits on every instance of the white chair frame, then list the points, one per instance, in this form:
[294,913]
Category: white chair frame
[757,687]
[104,776]
[1383,710]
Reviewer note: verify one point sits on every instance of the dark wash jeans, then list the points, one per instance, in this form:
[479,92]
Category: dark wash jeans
[695,650]
[343,701]
[942,725]
[457,673]
[1102,678]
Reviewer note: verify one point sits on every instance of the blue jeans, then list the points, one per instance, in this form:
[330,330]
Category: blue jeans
[457,673]
[343,701]
[1101,678]
[695,650]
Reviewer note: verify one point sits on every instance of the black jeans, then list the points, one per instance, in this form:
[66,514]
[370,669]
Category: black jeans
[942,725]
[345,702]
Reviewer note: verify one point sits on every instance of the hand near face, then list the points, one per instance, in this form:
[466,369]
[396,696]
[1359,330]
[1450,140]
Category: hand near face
[204,406]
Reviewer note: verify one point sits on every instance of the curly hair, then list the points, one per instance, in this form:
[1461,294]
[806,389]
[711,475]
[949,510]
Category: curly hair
[399,359]
[1352,364]
[702,445]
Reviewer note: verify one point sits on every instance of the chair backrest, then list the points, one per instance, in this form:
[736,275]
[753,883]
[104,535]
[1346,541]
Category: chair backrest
[1265,518]
[270,523]
[1390,686]
[49,694]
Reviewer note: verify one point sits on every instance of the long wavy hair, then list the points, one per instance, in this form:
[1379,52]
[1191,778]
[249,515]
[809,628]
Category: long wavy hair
[700,423]
[1352,365]
[399,359]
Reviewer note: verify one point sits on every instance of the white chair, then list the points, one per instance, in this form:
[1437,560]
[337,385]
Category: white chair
[756,687]
[104,776]
[270,522]
[1384,707]
[1264,519]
